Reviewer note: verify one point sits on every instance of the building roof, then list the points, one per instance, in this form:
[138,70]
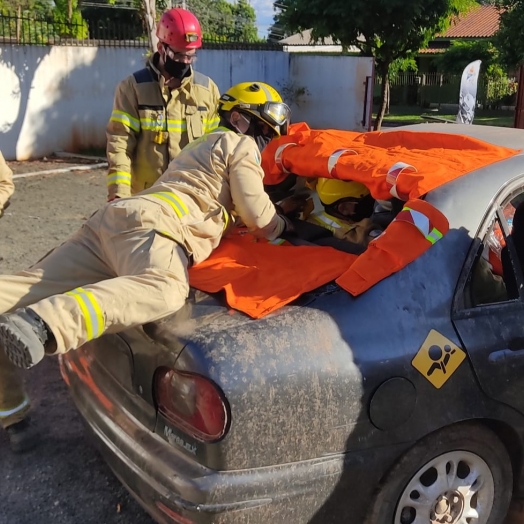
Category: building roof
[305,39]
[481,22]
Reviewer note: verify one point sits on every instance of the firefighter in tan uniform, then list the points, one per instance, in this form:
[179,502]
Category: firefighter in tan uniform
[159,109]
[14,402]
[348,207]
[128,264]
[7,187]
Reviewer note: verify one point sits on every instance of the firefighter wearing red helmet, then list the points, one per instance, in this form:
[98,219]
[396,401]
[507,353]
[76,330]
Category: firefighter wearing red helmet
[159,109]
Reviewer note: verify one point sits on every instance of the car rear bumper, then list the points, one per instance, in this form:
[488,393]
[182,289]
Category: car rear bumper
[161,476]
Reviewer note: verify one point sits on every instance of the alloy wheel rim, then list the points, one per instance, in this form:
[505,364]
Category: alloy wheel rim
[454,488]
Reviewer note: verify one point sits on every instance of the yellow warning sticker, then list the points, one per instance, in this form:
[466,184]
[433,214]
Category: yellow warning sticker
[438,358]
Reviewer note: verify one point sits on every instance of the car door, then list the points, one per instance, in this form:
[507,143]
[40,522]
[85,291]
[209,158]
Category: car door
[488,309]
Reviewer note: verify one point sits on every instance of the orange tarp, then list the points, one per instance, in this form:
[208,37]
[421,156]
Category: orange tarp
[414,161]
[259,277]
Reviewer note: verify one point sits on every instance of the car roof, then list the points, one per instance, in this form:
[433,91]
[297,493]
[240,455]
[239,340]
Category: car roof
[464,201]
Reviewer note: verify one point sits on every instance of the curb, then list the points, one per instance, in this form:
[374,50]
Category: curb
[80,167]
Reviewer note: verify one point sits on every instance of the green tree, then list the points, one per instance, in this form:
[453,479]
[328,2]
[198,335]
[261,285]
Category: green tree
[223,21]
[460,54]
[509,39]
[385,29]
[68,19]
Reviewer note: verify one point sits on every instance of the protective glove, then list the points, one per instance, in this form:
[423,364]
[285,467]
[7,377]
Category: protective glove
[292,206]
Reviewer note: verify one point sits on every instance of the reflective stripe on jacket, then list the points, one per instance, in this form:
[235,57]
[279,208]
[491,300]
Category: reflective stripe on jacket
[150,124]
[7,187]
[361,233]
[215,176]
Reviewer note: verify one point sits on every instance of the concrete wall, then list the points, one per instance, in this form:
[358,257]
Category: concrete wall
[59,98]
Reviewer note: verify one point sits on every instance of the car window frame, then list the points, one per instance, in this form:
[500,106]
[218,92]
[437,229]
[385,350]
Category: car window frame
[460,308]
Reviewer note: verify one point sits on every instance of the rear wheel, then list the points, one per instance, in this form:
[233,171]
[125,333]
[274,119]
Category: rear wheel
[458,475]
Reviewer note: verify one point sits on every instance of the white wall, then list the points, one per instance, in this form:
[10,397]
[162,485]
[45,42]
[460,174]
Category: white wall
[59,98]
[336,85]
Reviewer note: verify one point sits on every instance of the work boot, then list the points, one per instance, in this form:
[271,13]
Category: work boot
[23,335]
[22,436]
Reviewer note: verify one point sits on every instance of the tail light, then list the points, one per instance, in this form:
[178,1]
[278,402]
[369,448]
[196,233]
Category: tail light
[192,403]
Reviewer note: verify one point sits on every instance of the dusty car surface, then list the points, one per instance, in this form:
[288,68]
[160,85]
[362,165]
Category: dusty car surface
[403,405]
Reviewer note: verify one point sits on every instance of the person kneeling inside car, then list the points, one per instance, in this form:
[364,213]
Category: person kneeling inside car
[128,264]
[348,207]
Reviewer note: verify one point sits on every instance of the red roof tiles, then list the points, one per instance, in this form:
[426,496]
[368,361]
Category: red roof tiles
[481,22]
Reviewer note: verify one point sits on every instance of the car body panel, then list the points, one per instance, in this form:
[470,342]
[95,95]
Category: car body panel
[323,399]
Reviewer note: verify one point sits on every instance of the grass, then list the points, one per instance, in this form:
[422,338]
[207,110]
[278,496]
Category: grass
[404,115]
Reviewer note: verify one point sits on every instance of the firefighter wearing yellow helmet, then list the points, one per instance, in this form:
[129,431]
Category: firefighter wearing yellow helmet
[128,264]
[347,208]
[262,113]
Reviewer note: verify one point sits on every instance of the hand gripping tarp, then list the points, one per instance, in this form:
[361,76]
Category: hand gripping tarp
[259,277]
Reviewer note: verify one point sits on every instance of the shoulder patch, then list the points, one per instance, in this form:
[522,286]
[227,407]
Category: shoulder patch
[200,80]
[143,76]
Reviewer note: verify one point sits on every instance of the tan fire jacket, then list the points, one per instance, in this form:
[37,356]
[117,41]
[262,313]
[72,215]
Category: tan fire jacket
[213,177]
[7,187]
[361,233]
[150,124]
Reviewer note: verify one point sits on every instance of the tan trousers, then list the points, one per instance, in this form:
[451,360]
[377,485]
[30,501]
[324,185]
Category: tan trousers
[116,272]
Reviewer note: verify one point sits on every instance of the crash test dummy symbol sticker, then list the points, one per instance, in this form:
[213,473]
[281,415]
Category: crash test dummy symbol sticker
[438,358]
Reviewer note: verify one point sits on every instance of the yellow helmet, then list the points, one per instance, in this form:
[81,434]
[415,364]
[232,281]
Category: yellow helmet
[260,100]
[330,190]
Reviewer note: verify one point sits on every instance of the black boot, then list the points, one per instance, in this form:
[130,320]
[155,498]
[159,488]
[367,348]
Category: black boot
[22,436]
[23,335]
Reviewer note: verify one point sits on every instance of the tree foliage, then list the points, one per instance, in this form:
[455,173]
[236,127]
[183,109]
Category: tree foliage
[460,54]
[56,19]
[385,29]
[225,21]
[509,39]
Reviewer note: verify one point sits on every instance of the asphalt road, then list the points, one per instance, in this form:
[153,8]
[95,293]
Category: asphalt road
[63,480]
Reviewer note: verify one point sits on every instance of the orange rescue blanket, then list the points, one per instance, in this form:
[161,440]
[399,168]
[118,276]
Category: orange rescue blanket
[259,277]
[404,164]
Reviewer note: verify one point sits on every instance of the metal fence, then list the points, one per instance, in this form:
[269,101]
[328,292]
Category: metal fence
[26,29]
[425,89]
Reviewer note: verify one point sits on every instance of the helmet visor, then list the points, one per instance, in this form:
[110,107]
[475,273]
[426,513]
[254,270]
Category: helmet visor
[277,113]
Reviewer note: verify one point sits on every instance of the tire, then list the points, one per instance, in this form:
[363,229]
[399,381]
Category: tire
[467,454]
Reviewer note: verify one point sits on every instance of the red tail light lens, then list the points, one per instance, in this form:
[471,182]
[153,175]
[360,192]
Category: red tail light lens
[192,403]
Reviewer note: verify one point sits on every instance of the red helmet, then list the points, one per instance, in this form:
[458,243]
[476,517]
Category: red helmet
[179,29]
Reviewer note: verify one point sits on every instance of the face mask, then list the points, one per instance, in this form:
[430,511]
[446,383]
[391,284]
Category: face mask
[178,70]
[256,132]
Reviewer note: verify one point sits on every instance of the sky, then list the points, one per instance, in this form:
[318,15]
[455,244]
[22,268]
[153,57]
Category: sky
[265,13]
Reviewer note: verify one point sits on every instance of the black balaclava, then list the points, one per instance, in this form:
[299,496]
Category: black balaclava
[364,208]
[255,130]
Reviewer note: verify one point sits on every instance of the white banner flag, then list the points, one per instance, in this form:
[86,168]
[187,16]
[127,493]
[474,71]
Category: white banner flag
[468,93]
